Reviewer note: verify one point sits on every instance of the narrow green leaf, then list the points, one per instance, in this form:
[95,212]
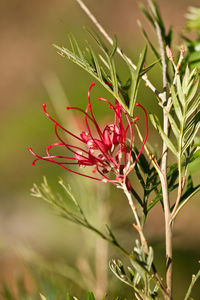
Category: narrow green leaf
[68,296]
[154,120]
[99,41]
[156,123]
[113,75]
[191,137]
[186,80]
[139,268]
[180,92]
[193,123]
[176,105]
[195,155]
[185,198]
[193,91]
[174,127]
[147,14]
[193,107]
[131,272]
[91,296]
[96,63]
[137,197]
[148,68]
[80,53]
[105,75]
[193,281]
[110,233]
[136,81]
[114,47]
[71,43]
[150,258]
[192,73]
[168,142]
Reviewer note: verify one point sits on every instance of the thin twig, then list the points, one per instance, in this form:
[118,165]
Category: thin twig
[119,51]
[137,226]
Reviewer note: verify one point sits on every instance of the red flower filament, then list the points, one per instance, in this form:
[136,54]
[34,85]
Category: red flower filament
[108,151]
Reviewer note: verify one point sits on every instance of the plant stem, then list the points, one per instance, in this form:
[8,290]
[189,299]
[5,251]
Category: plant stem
[163,174]
[137,226]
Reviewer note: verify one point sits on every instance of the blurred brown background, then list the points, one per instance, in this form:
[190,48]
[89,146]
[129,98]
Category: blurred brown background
[29,232]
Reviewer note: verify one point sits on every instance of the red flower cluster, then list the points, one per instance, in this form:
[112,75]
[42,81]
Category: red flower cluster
[109,151]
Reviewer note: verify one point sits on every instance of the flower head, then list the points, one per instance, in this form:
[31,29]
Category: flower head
[107,151]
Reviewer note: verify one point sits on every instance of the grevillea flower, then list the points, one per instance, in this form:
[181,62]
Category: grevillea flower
[107,151]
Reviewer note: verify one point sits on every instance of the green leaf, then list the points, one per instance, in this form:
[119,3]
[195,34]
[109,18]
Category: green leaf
[113,76]
[193,91]
[147,14]
[91,296]
[111,233]
[193,107]
[137,197]
[95,71]
[174,126]
[176,105]
[192,127]
[193,17]
[186,197]
[150,258]
[148,68]
[139,268]
[80,53]
[193,281]
[68,296]
[154,120]
[136,80]
[156,123]
[114,47]
[180,92]
[168,142]
[96,64]
[193,122]
[99,41]
[186,80]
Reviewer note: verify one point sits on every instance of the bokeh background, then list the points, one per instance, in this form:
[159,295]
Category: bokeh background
[37,247]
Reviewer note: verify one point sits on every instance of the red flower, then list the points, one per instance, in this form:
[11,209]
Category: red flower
[109,151]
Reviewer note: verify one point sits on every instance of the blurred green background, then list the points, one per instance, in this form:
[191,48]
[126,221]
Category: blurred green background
[37,247]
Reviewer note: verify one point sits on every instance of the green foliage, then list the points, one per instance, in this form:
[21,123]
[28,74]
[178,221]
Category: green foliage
[193,281]
[103,69]
[180,104]
[193,17]
[135,76]
[192,57]
[140,276]
[186,107]
[75,214]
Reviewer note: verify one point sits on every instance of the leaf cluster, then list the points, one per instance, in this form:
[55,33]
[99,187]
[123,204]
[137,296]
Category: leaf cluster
[102,67]
[140,275]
